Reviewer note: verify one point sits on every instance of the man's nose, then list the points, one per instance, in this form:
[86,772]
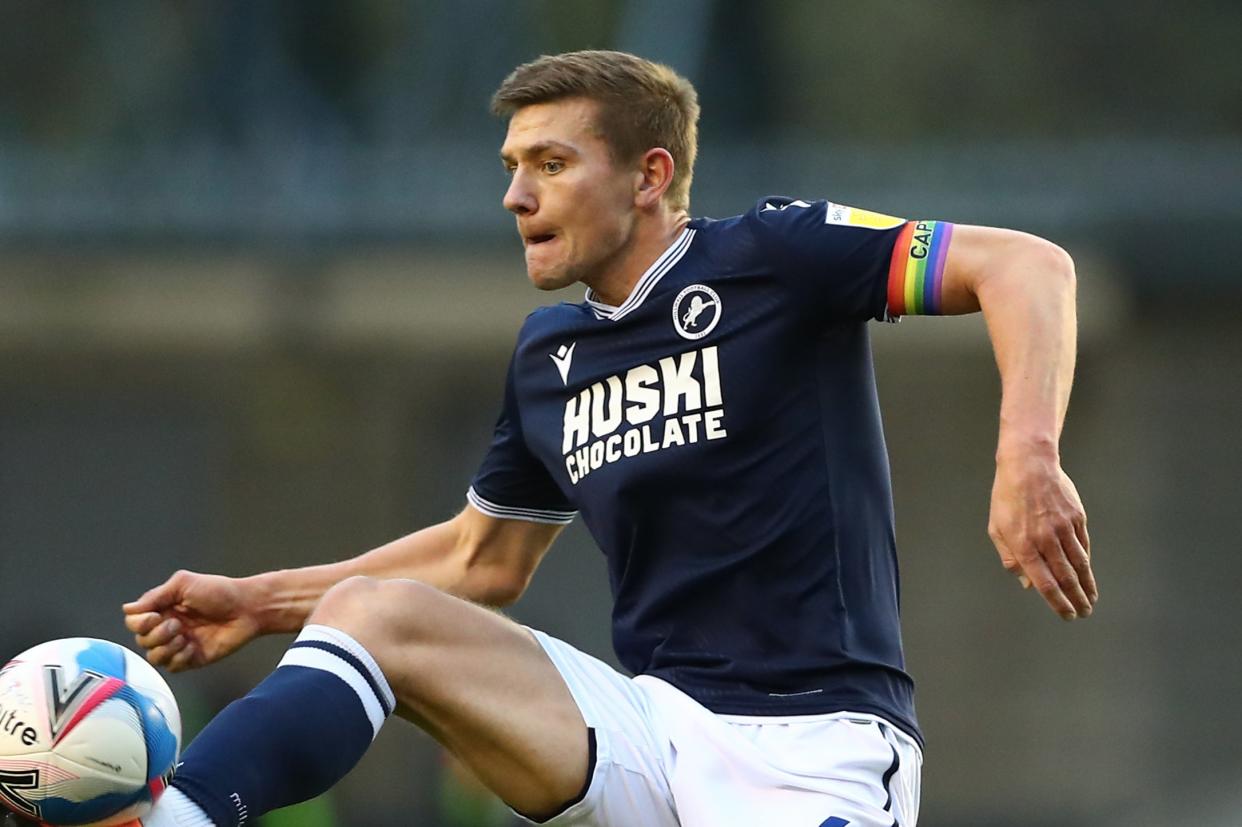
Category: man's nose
[519,199]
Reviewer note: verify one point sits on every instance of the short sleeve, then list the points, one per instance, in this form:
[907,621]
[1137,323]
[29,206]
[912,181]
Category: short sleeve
[843,261]
[511,483]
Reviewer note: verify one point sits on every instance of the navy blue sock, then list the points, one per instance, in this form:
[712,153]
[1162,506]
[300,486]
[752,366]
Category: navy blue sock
[294,736]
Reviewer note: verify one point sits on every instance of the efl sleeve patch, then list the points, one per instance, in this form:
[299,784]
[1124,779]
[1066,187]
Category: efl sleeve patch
[914,277]
[854,217]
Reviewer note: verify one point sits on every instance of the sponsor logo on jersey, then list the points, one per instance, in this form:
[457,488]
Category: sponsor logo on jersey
[675,401]
[696,311]
[563,356]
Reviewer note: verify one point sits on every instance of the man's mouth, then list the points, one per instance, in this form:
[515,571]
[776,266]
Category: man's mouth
[541,238]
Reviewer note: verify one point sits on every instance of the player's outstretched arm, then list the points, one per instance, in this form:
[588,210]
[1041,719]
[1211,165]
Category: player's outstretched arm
[1025,287]
[194,619]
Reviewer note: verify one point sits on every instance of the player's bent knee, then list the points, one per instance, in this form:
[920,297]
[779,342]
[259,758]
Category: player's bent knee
[404,625]
[379,613]
[345,601]
[363,607]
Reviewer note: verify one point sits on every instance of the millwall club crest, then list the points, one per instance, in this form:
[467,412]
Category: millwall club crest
[696,311]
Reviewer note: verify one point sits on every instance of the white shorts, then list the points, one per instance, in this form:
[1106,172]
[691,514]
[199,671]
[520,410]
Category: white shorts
[663,760]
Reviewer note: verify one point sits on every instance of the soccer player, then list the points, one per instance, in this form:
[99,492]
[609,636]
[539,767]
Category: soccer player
[710,411]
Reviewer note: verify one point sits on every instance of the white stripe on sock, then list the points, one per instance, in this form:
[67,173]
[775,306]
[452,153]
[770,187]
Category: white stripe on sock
[328,634]
[343,669]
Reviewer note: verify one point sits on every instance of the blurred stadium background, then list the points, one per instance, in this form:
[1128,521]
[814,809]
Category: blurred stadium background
[257,294]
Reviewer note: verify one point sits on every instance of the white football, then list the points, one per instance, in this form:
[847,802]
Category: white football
[89,733]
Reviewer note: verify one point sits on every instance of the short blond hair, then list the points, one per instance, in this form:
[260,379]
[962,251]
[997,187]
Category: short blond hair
[642,105]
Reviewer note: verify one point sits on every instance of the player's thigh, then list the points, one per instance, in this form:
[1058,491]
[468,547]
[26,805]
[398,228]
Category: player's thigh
[476,681]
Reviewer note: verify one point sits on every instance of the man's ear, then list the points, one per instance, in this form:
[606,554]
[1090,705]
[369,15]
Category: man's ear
[654,178]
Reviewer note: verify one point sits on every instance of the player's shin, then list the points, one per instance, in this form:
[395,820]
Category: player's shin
[294,736]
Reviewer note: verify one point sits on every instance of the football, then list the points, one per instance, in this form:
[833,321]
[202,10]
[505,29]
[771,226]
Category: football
[89,733]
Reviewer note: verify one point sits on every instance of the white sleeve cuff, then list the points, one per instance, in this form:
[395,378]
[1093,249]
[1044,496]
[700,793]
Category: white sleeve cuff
[509,512]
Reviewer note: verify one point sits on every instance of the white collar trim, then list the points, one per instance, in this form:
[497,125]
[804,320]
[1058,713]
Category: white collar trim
[647,283]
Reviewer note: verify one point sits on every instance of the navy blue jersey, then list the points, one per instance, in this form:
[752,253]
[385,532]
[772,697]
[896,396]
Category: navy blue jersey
[719,433]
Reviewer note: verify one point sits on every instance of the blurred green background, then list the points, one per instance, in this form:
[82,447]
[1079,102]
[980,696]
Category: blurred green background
[257,294]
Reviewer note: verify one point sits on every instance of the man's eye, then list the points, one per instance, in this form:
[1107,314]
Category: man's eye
[553,167]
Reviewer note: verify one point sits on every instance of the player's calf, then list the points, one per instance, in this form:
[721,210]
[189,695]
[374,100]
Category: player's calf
[294,736]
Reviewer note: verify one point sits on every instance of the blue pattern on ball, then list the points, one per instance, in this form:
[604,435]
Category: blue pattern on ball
[63,811]
[161,742]
[103,657]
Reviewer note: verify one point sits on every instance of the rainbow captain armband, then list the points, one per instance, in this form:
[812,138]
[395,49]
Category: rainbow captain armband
[914,277]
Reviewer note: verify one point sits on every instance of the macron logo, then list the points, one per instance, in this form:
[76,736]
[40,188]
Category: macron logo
[563,356]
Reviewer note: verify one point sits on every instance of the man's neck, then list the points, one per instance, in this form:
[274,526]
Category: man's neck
[651,239]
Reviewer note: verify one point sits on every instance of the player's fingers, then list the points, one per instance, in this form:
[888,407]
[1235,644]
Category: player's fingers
[1007,558]
[1080,529]
[160,635]
[1080,559]
[1065,574]
[160,597]
[182,660]
[161,655]
[140,624]
[1042,581]
[153,600]
[1084,538]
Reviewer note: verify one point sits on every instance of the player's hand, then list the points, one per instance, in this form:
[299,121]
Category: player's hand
[192,620]
[1040,530]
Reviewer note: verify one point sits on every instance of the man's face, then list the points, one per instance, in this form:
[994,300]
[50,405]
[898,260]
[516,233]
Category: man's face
[574,207]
